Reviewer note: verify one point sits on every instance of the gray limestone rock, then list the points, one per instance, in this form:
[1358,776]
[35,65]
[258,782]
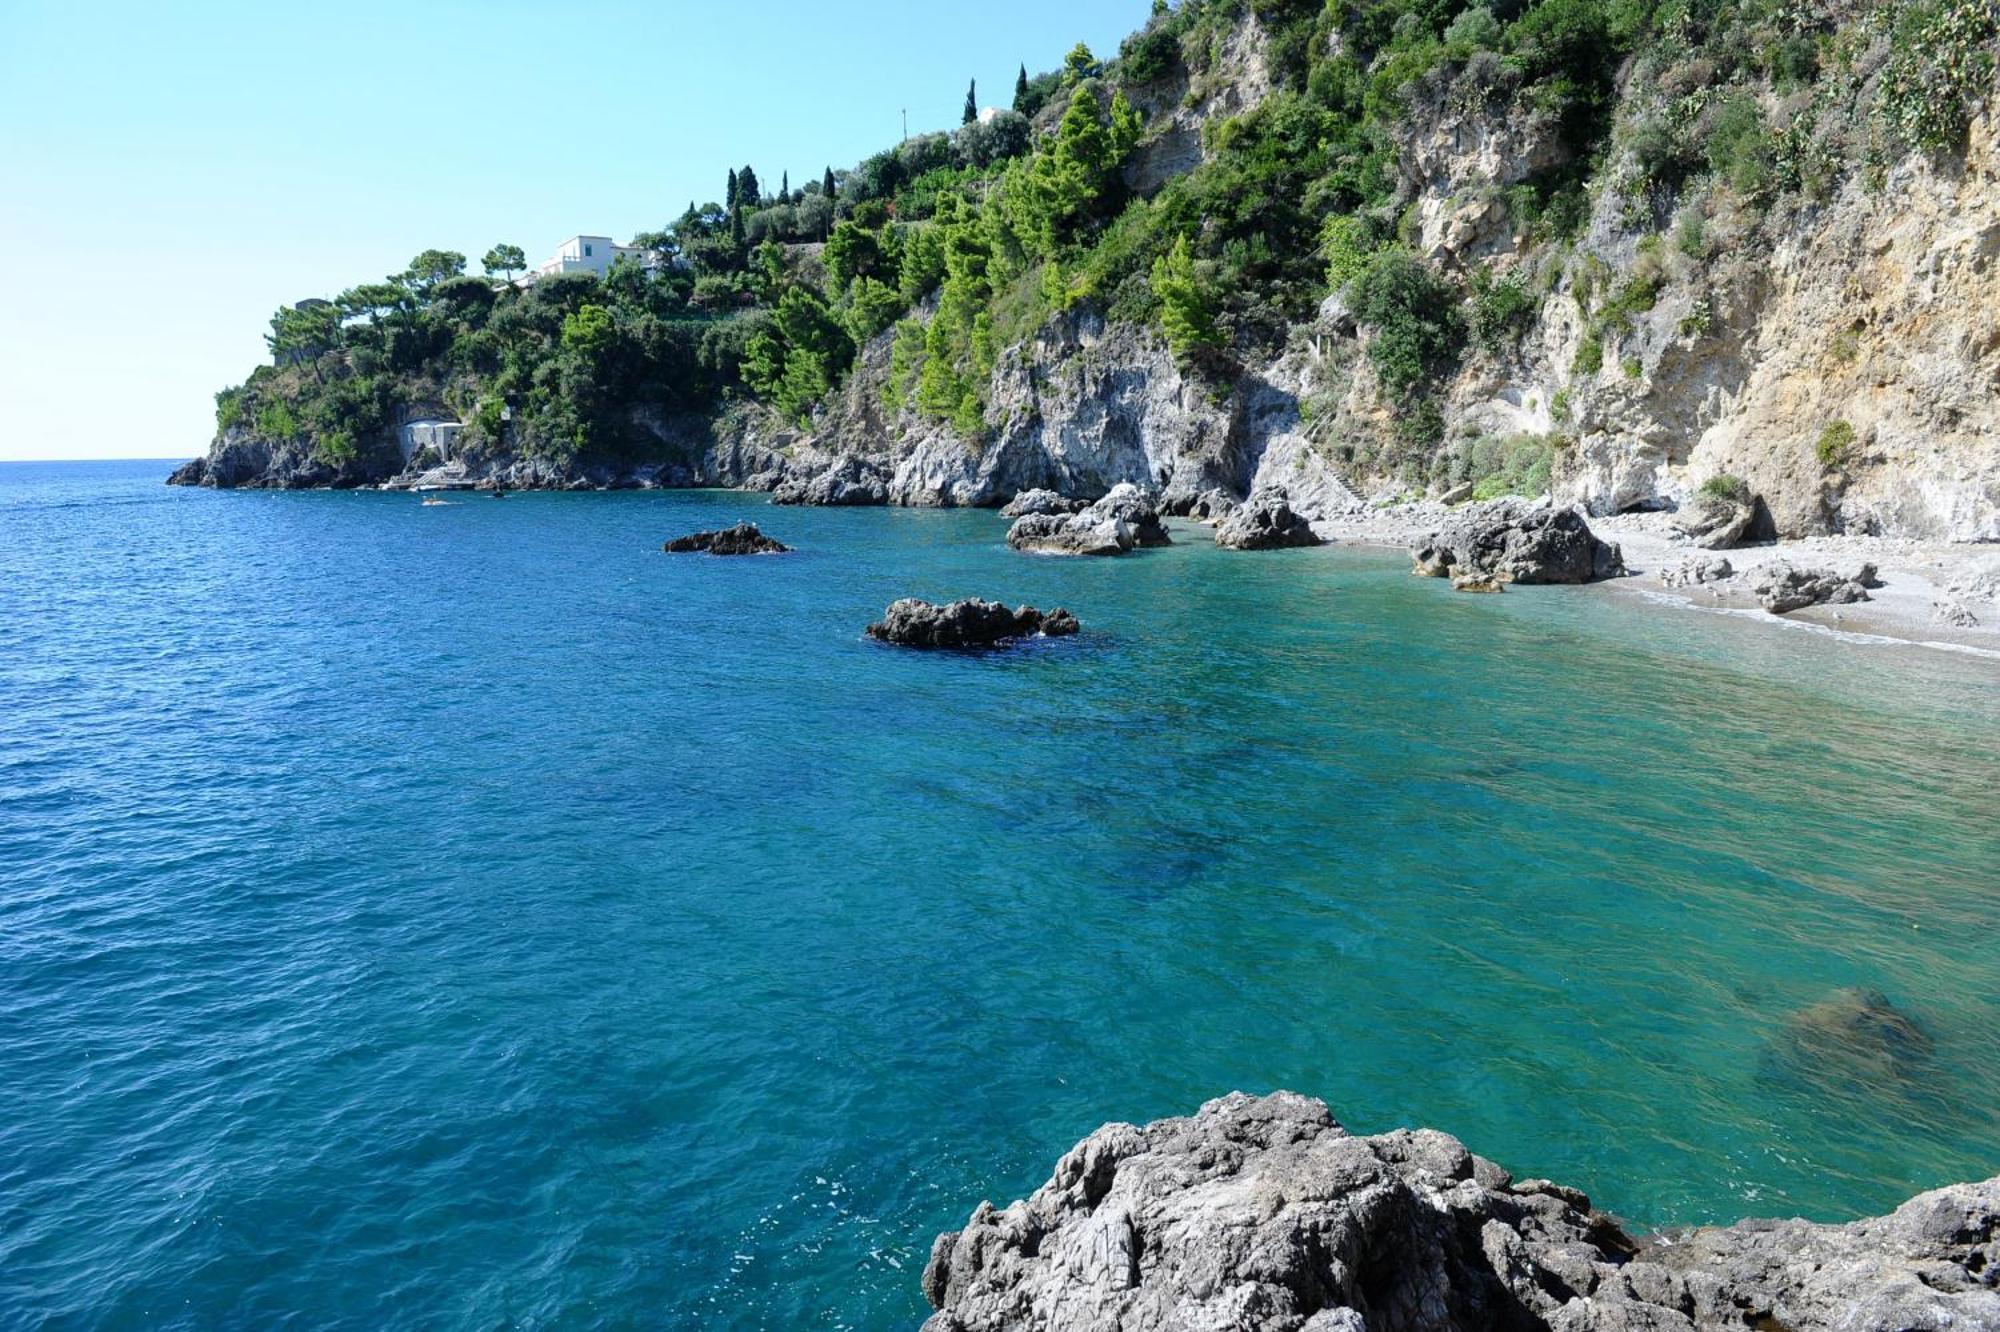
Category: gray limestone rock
[971,623]
[1261,1214]
[1782,587]
[1265,522]
[742,539]
[1518,541]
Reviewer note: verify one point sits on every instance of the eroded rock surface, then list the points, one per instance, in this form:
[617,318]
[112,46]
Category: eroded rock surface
[1782,588]
[1123,520]
[1265,522]
[971,623]
[1518,541]
[742,539]
[1041,501]
[1261,1214]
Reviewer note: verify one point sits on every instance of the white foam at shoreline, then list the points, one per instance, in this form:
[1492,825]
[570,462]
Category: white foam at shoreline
[1843,635]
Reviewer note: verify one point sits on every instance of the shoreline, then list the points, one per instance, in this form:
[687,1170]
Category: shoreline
[1916,577]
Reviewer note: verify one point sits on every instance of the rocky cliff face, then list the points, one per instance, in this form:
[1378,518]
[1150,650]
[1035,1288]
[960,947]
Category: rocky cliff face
[1262,1214]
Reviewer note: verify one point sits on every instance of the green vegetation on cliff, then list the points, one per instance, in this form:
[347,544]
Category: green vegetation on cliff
[958,246]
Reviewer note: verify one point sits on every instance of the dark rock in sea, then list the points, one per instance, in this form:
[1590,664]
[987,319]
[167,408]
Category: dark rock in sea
[851,481]
[1265,522]
[1123,520]
[1854,1037]
[742,539]
[1518,541]
[1041,502]
[1261,1214]
[1782,587]
[971,623]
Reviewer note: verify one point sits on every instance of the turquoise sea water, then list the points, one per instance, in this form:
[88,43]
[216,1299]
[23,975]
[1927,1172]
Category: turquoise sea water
[472,917]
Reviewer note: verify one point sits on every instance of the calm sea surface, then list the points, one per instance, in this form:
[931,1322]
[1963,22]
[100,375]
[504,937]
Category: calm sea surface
[471,917]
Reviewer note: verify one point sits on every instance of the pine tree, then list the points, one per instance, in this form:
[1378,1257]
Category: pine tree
[1021,91]
[747,192]
[729,200]
[1185,311]
[971,102]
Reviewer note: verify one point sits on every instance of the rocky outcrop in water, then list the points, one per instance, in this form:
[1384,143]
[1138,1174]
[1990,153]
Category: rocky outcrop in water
[1265,522]
[1261,1214]
[742,539]
[1517,541]
[1123,520]
[1041,502]
[851,481]
[971,623]
[1782,588]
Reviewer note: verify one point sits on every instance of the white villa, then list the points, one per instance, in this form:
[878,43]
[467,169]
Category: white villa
[586,254]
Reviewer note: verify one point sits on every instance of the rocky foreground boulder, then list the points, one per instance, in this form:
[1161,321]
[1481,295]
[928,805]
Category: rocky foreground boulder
[1265,521]
[1517,541]
[1718,519]
[1782,588]
[1123,520]
[967,624]
[1261,1214]
[742,539]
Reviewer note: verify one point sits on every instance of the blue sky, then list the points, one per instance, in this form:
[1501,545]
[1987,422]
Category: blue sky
[170,174]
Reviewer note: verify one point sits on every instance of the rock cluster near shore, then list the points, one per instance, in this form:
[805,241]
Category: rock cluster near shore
[971,623]
[1784,587]
[1265,521]
[1516,541]
[742,539]
[1261,1214]
[1123,520]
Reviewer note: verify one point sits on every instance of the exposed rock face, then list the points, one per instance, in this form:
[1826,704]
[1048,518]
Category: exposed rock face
[851,481]
[1261,1214]
[1783,587]
[1125,519]
[1265,522]
[1518,541]
[1041,502]
[1212,506]
[966,624]
[742,539]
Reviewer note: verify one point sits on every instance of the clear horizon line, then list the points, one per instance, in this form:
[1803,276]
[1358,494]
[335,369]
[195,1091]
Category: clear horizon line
[129,457]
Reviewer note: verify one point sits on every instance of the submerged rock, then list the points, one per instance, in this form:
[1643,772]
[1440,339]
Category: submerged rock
[1782,587]
[1854,1036]
[1041,501]
[742,539]
[965,624]
[1261,1214]
[1125,519]
[1265,522]
[1518,541]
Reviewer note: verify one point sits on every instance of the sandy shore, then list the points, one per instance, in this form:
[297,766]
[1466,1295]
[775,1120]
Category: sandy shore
[1920,580]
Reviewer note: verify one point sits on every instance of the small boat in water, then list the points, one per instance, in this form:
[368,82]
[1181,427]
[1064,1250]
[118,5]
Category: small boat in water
[432,497]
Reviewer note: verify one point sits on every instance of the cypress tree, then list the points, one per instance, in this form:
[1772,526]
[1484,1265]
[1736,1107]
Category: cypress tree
[785,188]
[736,225]
[747,192]
[1021,91]
[730,200]
[826,185]
[971,102]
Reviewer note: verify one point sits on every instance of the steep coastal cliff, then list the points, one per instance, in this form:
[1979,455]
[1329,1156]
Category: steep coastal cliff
[1263,1213]
[1560,249]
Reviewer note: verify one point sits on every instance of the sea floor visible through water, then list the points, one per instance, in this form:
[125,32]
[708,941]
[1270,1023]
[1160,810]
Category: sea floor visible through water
[470,916]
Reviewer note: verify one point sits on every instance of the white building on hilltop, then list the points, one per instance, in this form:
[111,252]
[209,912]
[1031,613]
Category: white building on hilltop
[587,254]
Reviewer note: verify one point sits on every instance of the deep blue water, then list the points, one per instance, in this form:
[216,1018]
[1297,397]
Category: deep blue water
[472,917]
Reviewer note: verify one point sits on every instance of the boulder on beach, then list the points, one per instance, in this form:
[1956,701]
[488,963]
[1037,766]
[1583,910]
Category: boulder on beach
[1517,541]
[1265,521]
[1782,587]
[971,623]
[1123,520]
[742,539]
[1718,519]
[1041,502]
[1696,570]
[1262,1214]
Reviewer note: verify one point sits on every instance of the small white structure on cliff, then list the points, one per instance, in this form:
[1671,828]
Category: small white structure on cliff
[587,254]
